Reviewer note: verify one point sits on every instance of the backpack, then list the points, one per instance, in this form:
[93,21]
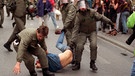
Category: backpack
[131,20]
[11,6]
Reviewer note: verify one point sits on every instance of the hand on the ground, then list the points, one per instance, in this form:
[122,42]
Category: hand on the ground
[16,69]
[37,65]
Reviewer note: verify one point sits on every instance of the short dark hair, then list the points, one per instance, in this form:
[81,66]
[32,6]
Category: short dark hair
[43,30]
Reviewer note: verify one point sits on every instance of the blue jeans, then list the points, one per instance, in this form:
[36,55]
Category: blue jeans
[62,47]
[124,16]
[51,14]
[133,69]
[117,21]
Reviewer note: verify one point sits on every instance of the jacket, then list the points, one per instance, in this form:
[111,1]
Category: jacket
[28,38]
[68,14]
[20,8]
[40,7]
[85,22]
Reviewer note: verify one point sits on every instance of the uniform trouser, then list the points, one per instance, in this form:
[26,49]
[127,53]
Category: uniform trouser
[7,10]
[2,16]
[68,35]
[20,25]
[81,40]
[29,59]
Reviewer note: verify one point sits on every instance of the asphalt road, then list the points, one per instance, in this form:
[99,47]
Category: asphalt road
[110,61]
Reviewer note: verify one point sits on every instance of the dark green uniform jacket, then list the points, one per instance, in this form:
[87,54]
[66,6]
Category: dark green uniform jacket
[28,39]
[85,22]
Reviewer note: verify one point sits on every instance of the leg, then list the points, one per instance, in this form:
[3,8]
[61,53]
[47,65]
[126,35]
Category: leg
[68,35]
[133,69]
[78,51]
[60,44]
[2,17]
[20,25]
[28,60]
[40,53]
[93,47]
[124,20]
[45,19]
[53,19]
[117,21]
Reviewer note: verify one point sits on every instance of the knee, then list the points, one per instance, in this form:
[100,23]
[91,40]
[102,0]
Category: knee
[80,46]
[29,60]
[93,47]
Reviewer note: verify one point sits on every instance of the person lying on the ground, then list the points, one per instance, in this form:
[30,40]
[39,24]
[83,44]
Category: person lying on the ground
[58,61]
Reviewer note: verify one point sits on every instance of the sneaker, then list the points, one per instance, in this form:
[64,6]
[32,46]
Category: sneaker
[8,47]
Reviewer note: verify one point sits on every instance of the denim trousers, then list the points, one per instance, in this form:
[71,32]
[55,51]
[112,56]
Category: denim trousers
[133,69]
[62,47]
[124,16]
[117,21]
[51,14]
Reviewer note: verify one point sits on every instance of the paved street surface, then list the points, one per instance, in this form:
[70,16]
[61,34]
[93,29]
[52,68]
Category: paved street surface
[110,60]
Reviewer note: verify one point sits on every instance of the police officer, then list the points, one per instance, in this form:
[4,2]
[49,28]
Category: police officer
[1,13]
[30,42]
[85,28]
[68,11]
[20,20]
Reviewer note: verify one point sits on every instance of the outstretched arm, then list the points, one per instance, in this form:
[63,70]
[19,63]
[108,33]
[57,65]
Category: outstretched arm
[16,69]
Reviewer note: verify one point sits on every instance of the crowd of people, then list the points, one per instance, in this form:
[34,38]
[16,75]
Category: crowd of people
[81,19]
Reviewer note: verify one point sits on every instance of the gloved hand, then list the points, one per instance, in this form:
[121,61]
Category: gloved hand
[63,30]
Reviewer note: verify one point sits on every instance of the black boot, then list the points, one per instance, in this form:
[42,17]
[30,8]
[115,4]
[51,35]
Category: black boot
[46,72]
[7,46]
[33,73]
[92,65]
[76,66]
[1,26]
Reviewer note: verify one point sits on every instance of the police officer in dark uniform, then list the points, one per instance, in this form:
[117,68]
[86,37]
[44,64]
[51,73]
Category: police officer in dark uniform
[1,13]
[68,11]
[30,42]
[85,28]
[20,20]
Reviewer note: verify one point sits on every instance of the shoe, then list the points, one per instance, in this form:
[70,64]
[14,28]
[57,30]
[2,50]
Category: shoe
[123,33]
[76,66]
[7,46]
[1,26]
[46,72]
[58,31]
[33,73]
[13,24]
[93,66]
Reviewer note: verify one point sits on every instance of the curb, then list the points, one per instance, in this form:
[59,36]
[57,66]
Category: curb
[118,43]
